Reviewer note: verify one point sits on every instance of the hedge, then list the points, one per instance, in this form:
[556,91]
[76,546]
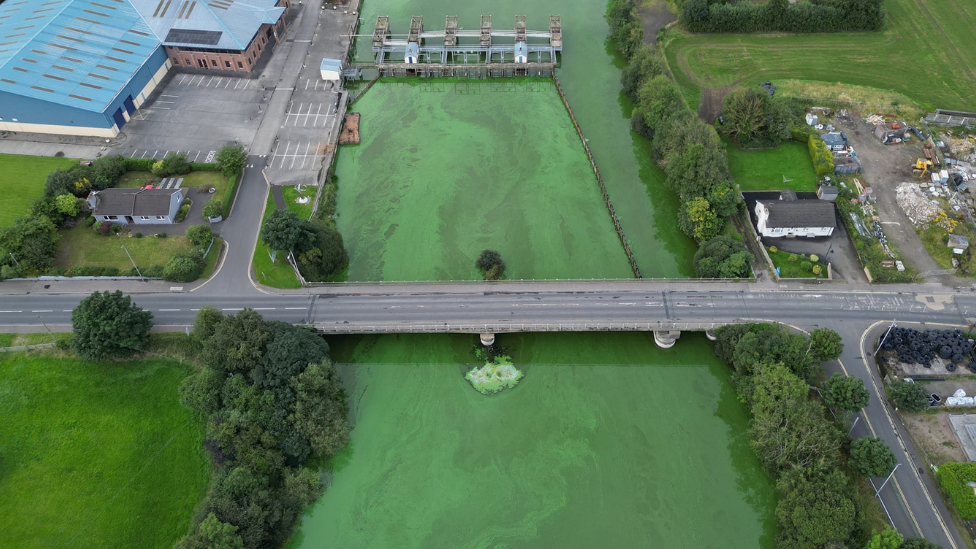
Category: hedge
[954,477]
[203,167]
[231,192]
[138,164]
[823,159]
[779,15]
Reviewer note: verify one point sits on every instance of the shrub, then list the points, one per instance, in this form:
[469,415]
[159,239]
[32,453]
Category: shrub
[212,209]
[910,397]
[110,271]
[491,265]
[723,257]
[185,267]
[823,159]
[327,255]
[806,266]
[817,269]
[89,221]
[773,249]
[160,235]
[173,164]
[199,234]
[814,258]
[116,228]
[138,235]
[792,258]
[105,227]
[181,215]
[230,159]
[955,479]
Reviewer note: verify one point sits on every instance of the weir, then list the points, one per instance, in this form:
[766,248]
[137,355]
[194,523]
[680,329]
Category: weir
[454,51]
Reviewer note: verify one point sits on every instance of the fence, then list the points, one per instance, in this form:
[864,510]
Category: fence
[599,179]
[519,328]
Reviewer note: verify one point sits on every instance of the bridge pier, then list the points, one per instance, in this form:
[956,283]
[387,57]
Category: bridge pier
[666,339]
[710,334]
[487,339]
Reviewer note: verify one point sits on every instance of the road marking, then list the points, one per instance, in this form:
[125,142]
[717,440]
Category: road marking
[168,310]
[11,312]
[294,308]
[66,310]
[264,308]
[194,309]
[232,309]
[43,311]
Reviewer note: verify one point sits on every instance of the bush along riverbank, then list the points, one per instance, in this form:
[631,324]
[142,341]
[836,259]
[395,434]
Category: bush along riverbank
[688,150]
[817,468]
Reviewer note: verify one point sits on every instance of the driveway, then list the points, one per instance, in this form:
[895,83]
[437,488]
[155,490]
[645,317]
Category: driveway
[837,249]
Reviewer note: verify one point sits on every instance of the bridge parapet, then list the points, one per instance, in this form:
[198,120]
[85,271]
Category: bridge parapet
[514,328]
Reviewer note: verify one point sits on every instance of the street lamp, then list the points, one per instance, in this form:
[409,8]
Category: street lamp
[133,263]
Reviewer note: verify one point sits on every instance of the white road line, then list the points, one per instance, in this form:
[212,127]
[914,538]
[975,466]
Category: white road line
[154,154]
[43,311]
[164,95]
[161,108]
[168,310]
[12,312]
[210,81]
[133,155]
[182,79]
[264,308]
[66,310]
[307,147]
[294,308]
[233,309]
[305,123]
[194,309]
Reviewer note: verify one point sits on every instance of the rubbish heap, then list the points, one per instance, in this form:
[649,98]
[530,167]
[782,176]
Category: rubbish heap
[874,119]
[917,207]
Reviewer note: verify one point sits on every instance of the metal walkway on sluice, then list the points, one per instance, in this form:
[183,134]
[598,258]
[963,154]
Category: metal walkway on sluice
[455,51]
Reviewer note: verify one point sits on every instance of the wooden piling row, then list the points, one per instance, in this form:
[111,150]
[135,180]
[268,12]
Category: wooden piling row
[362,91]
[599,179]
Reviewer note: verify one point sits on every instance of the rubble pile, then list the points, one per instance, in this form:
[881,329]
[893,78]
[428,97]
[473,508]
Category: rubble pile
[918,208]
[875,119]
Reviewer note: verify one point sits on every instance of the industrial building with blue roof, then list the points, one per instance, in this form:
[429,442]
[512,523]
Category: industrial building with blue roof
[83,67]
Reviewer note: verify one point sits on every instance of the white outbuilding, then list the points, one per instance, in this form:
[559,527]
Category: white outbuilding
[521,52]
[411,55]
[331,69]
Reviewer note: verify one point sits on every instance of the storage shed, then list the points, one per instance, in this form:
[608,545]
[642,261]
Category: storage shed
[411,55]
[827,192]
[331,69]
[521,52]
[958,243]
[846,164]
[890,134]
[835,141]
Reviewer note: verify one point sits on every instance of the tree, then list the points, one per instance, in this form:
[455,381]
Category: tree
[918,543]
[326,257]
[238,343]
[909,396]
[67,205]
[644,65]
[202,390]
[284,231]
[212,534]
[107,170]
[792,433]
[289,352]
[59,182]
[697,219]
[200,235]
[32,241]
[213,209]
[109,325]
[889,538]
[825,344]
[320,409]
[752,116]
[206,321]
[871,457]
[172,164]
[817,512]
[657,98]
[491,265]
[723,257]
[845,393]
[230,159]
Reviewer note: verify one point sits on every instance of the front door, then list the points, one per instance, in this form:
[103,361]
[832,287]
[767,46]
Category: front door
[128,219]
[119,119]
[202,63]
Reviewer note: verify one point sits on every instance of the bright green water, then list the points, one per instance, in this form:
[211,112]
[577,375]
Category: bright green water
[446,170]
[607,441]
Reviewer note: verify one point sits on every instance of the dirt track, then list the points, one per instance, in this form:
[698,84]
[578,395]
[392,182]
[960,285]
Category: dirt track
[655,17]
[710,105]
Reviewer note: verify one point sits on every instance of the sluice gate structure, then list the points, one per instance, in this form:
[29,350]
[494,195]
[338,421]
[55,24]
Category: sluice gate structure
[454,51]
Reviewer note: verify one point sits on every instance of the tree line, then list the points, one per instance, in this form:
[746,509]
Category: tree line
[714,16]
[808,454]
[688,150]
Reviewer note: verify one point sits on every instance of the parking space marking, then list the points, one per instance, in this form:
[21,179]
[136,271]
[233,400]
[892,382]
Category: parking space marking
[289,155]
[318,114]
[318,85]
[192,156]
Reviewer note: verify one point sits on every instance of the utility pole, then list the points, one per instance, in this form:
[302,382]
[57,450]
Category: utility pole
[17,263]
[133,263]
[878,491]
[888,331]
[54,339]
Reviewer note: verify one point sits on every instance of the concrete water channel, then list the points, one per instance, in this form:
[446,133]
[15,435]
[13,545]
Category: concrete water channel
[609,441]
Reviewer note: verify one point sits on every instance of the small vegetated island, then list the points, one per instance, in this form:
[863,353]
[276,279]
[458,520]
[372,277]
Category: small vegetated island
[495,376]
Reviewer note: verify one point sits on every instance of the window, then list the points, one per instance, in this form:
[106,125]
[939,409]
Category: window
[240,65]
[111,217]
[144,217]
[227,64]
[176,61]
[160,217]
[188,62]
[213,62]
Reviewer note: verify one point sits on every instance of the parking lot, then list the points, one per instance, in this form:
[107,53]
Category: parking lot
[196,115]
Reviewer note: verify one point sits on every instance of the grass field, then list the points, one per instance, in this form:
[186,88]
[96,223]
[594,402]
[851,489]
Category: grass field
[22,180]
[926,54]
[792,269]
[765,170]
[194,179]
[81,246]
[303,211]
[278,274]
[96,455]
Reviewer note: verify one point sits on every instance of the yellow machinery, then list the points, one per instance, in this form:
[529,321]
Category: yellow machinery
[922,167]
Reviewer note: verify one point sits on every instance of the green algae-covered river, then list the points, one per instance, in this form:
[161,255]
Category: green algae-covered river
[608,441]
[447,168]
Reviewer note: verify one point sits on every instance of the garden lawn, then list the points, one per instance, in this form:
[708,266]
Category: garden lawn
[81,246]
[22,180]
[303,211]
[96,455]
[278,274]
[935,238]
[925,54]
[792,269]
[765,170]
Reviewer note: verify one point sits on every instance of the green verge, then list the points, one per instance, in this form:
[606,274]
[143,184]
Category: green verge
[230,192]
[954,479]
[291,194]
[96,455]
[792,269]
[22,180]
[83,247]
[278,274]
[928,40]
[765,170]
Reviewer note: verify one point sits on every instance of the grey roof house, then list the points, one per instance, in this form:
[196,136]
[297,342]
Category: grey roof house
[791,218]
[136,206]
[835,141]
